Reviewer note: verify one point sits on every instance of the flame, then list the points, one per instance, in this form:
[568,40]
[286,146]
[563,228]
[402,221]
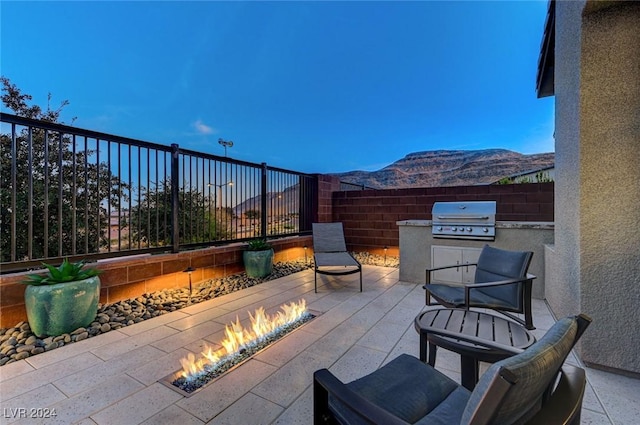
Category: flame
[237,337]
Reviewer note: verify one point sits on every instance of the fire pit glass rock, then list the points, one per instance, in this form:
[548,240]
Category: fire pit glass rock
[239,345]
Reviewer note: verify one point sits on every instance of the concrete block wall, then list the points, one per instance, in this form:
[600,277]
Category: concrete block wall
[327,186]
[129,277]
[370,216]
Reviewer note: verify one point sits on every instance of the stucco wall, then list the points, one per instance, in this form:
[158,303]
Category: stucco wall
[610,185]
[562,288]
[595,267]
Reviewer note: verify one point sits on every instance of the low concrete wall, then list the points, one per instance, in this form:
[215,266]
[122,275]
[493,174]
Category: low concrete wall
[416,241]
[129,277]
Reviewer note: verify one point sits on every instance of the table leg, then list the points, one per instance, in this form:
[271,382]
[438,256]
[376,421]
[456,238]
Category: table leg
[469,371]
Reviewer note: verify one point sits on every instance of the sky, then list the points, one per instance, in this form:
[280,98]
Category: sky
[315,87]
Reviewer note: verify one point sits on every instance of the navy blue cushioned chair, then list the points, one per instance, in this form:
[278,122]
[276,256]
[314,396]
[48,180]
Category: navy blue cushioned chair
[501,283]
[531,387]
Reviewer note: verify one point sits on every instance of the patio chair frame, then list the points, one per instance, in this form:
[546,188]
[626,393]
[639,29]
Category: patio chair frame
[524,301]
[333,249]
[561,401]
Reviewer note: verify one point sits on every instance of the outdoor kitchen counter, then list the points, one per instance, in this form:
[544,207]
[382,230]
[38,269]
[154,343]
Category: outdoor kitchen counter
[416,243]
[499,224]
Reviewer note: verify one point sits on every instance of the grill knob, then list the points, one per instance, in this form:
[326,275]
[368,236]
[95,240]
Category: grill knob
[468,229]
[484,229]
[454,229]
[439,228]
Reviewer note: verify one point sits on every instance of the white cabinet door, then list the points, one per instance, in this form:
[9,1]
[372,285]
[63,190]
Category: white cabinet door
[453,255]
[446,256]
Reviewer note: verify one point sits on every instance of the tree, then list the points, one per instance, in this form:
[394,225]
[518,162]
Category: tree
[151,219]
[253,215]
[71,190]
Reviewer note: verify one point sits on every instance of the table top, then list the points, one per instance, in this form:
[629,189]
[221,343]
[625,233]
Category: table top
[475,324]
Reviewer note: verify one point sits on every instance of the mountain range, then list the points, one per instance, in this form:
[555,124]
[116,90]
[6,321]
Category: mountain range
[420,169]
[449,168]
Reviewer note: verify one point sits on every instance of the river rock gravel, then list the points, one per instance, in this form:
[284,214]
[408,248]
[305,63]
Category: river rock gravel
[18,342]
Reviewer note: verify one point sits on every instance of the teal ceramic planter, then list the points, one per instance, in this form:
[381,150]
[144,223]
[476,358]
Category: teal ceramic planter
[258,263]
[63,307]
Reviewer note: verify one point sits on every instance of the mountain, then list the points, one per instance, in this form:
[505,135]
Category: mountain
[280,204]
[449,168]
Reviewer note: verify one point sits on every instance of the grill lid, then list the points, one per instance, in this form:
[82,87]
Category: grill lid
[464,220]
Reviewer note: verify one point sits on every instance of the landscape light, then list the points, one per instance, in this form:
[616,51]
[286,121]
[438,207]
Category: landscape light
[189,270]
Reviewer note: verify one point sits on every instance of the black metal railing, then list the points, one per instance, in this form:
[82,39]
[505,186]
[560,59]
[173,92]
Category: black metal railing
[67,192]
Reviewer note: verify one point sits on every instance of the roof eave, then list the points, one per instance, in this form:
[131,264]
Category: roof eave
[546,60]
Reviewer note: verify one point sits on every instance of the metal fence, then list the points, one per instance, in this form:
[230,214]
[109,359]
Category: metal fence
[71,193]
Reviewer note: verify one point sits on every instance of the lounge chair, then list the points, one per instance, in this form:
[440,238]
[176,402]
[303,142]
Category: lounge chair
[330,253]
[501,283]
[532,387]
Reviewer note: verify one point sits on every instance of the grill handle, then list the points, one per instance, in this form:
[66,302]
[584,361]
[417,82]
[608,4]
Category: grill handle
[467,217]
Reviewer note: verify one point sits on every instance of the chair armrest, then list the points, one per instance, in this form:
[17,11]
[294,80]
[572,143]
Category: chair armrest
[451,266]
[469,286]
[429,271]
[528,280]
[565,403]
[369,412]
[529,277]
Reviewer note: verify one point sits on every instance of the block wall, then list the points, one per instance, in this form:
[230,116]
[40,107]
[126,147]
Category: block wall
[129,277]
[370,216]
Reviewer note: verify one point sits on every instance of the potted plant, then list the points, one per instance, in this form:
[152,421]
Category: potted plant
[63,299]
[258,258]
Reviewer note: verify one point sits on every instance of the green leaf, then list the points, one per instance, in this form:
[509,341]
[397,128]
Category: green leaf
[66,272]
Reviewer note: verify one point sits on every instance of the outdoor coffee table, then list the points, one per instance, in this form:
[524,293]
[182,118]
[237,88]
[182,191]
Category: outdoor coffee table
[443,327]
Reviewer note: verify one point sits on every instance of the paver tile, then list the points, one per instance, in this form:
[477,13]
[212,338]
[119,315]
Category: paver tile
[137,407]
[217,396]
[83,380]
[173,415]
[248,410]
[83,405]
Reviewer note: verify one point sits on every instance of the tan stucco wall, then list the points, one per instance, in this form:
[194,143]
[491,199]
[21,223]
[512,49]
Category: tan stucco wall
[610,185]
[562,287]
[596,264]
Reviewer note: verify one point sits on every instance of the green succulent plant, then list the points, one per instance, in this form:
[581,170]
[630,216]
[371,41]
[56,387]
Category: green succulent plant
[66,272]
[258,245]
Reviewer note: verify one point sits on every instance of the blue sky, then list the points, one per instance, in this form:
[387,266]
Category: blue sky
[308,86]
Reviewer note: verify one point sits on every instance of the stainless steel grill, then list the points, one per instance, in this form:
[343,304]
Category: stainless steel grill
[474,220]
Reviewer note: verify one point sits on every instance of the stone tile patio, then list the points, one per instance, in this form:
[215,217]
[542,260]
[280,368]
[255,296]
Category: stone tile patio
[114,378]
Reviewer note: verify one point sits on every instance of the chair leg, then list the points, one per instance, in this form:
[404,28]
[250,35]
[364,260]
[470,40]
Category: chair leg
[321,413]
[469,371]
[423,347]
[315,282]
[432,354]
[360,280]
[527,305]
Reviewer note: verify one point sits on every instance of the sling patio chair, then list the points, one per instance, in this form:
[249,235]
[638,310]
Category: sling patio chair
[501,283]
[330,255]
[531,387]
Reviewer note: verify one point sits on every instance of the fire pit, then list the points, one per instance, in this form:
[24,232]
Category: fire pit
[238,346]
